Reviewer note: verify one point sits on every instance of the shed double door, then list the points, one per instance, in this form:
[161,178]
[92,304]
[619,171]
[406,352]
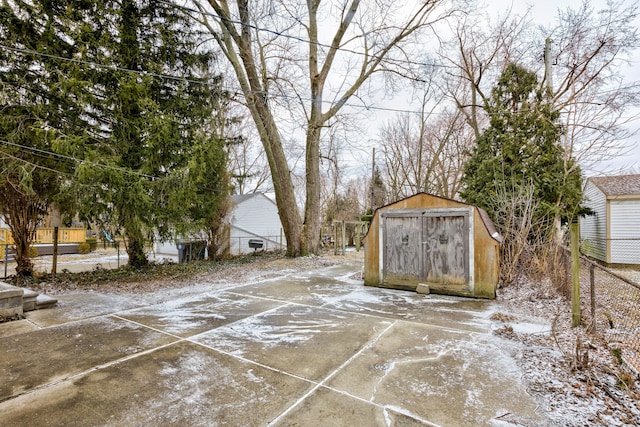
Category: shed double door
[431,247]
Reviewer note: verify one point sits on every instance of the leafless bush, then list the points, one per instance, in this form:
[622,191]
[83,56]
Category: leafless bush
[526,246]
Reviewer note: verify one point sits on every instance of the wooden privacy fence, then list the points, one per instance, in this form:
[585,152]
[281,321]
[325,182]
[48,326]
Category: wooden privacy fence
[45,235]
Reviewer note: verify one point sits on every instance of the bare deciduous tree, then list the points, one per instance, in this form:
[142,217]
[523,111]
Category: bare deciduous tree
[425,152]
[318,56]
[588,49]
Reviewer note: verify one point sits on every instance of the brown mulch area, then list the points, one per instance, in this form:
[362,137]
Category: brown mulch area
[154,277]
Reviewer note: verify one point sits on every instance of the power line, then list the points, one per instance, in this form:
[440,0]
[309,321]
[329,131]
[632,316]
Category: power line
[237,91]
[234,91]
[297,38]
[75,159]
[110,67]
[80,161]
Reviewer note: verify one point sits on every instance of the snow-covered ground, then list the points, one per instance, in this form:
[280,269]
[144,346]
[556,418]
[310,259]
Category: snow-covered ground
[572,375]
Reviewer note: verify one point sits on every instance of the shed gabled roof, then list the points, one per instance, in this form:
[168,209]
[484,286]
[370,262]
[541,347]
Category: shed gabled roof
[239,198]
[621,185]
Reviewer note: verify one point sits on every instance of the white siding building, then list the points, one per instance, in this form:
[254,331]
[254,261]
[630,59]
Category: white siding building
[254,217]
[612,235]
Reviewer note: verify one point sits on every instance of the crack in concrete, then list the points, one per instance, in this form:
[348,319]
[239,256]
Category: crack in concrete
[368,345]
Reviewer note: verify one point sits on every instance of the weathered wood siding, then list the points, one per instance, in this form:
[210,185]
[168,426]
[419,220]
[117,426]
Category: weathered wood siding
[446,249]
[483,250]
[401,236]
[593,228]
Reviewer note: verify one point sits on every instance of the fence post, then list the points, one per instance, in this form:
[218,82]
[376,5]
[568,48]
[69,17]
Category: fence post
[54,262]
[592,282]
[575,274]
[6,259]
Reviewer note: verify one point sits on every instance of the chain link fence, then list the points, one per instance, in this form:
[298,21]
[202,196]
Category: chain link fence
[248,244]
[610,304]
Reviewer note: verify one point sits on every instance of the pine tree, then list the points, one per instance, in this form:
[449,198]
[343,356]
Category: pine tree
[520,150]
[34,106]
[128,101]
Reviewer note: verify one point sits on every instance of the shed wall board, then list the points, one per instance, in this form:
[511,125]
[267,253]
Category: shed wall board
[166,248]
[624,231]
[593,228]
[255,218]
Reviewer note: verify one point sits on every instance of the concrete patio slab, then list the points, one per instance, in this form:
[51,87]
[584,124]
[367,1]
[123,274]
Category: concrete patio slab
[305,288]
[46,356]
[181,384]
[78,306]
[312,349]
[16,327]
[305,341]
[445,376]
[192,315]
[345,294]
[338,409]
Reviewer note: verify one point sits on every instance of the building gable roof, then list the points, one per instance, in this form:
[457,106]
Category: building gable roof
[241,198]
[621,185]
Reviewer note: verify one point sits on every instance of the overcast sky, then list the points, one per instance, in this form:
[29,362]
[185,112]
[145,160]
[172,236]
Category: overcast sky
[544,12]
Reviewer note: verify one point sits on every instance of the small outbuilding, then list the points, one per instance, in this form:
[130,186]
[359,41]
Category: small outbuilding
[612,233]
[254,223]
[426,241]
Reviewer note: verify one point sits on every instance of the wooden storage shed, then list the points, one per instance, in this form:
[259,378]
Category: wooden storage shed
[450,246]
[612,233]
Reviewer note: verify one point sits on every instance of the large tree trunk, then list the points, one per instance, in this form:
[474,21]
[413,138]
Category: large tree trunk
[22,240]
[251,66]
[270,137]
[135,250]
[282,183]
[312,209]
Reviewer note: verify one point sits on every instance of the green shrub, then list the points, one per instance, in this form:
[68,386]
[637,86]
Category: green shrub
[33,252]
[84,248]
[93,243]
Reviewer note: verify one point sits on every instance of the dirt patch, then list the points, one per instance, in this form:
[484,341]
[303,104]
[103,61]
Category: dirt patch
[155,277]
[574,376]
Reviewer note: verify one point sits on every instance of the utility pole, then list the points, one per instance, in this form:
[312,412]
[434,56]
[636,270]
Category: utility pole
[373,179]
[547,63]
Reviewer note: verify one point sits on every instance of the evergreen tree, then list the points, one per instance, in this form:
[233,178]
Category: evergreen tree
[520,150]
[132,105]
[378,190]
[34,105]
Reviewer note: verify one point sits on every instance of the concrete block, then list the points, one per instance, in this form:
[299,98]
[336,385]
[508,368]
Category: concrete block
[10,300]
[29,300]
[44,301]
[423,288]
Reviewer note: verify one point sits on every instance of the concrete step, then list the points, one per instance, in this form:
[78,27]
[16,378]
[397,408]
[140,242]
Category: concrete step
[15,301]
[44,301]
[29,300]
[10,300]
